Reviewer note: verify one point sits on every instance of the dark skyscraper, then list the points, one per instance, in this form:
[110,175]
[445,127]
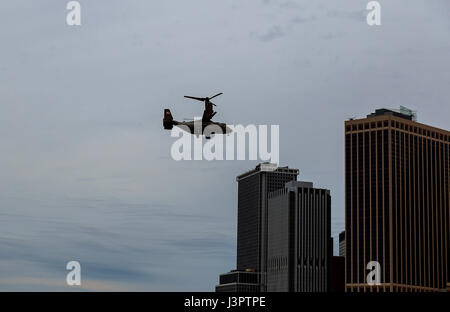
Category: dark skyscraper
[299,239]
[397,202]
[253,189]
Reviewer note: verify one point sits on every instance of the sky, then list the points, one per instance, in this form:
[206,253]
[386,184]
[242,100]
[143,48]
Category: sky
[86,170]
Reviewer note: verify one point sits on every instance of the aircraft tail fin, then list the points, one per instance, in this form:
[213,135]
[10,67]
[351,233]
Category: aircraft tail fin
[168,120]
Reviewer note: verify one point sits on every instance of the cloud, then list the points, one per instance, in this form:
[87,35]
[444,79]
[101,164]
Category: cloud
[275,32]
[122,242]
[31,284]
[302,20]
[356,15]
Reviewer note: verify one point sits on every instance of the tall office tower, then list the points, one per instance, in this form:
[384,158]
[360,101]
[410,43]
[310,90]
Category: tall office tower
[397,202]
[253,189]
[300,246]
[342,244]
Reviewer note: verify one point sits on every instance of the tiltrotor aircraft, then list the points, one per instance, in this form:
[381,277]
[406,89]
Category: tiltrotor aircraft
[197,127]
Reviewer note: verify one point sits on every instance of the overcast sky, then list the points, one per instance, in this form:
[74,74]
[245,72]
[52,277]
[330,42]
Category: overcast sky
[85,166]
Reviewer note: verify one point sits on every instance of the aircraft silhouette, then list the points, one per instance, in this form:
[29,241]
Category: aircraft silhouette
[197,127]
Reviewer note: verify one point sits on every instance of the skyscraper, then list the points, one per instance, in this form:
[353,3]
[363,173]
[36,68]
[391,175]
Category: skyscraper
[299,239]
[397,202]
[253,189]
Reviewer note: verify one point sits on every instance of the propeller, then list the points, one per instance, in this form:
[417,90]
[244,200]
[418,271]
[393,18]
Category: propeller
[195,98]
[204,99]
[216,95]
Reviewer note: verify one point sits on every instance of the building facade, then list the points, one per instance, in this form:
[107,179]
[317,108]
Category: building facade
[238,281]
[253,189]
[299,239]
[397,203]
[342,244]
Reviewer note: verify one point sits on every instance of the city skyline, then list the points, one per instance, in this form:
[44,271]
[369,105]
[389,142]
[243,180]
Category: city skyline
[284,241]
[86,167]
[397,216]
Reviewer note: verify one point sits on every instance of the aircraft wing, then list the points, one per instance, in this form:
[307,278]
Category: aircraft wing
[195,98]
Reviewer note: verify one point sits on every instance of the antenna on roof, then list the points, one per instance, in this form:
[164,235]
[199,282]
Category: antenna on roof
[408,112]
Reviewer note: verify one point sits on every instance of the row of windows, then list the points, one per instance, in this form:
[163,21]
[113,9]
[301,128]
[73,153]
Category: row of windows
[248,227]
[382,289]
[239,277]
[419,210]
[401,126]
[277,264]
[313,219]
[367,201]
[304,261]
[420,187]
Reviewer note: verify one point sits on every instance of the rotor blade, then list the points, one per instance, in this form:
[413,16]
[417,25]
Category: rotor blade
[195,98]
[216,95]
[213,103]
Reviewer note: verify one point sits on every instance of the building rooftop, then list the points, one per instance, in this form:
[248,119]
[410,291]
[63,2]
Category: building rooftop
[403,119]
[268,167]
[291,186]
[403,112]
[303,184]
